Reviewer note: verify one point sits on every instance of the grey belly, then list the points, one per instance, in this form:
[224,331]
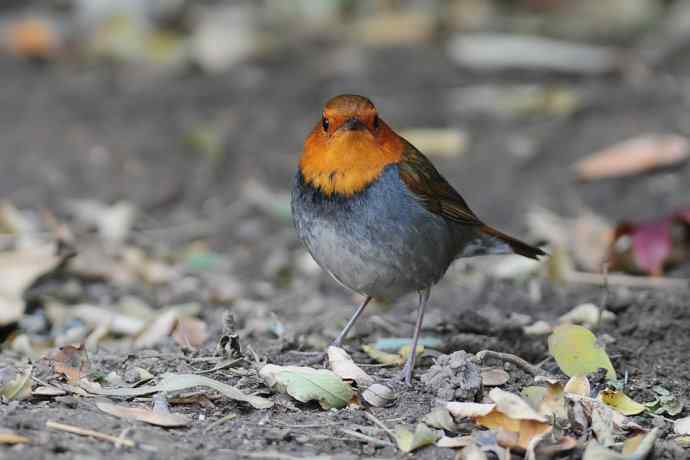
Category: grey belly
[381,244]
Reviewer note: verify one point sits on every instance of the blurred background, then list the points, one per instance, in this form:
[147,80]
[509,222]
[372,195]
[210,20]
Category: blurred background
[157,140]
[170,129]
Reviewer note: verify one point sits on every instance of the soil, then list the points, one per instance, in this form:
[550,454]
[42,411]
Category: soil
[73,131]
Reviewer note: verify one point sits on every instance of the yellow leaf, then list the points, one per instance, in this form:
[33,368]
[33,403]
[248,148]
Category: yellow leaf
[622,403]
[577,352]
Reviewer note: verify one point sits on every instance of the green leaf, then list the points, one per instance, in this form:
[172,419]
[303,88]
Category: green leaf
[577,352]
[408,441]
[306,384]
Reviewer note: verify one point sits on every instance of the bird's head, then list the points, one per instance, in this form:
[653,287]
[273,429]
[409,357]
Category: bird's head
[348,147]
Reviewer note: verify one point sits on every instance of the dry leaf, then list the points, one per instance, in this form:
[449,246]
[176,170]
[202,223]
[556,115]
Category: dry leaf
[469,409]
[342,364]
[19,269]
[588,315]
[178,382]
[409,441]
[158,330]
[70,361]
[634,156]
[440,418]
[682,426]
[578,384]
[157,418]
[493,377]
[190,333]
[454,443]
[514,406]
[15,386]
[11,438]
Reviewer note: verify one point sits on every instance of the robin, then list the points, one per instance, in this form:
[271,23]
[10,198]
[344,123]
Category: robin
[375,214]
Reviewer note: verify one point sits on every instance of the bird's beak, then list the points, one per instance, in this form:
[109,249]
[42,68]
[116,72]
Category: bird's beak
[353,124]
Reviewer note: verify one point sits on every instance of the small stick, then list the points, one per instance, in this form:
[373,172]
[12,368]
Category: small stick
[94,434]
[507,357]
[220,421]
[220,366]
[365,438]
[378,422]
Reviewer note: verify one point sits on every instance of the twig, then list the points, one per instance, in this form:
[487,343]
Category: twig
[380,424]
[604,293]
[94,434]
[519,362]
[365,438]
[221,420]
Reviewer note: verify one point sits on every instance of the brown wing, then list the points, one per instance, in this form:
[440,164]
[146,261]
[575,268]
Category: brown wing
[439,197]
[431,189]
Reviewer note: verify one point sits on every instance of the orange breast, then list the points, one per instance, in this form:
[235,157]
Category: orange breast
[345,163]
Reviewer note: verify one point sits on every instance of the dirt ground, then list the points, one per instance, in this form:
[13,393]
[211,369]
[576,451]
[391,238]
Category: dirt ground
[71,131]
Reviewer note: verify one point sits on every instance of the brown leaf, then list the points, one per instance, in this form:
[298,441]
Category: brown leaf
[190,332]
[33,38]
[10,437]
[634,156]
[70,361]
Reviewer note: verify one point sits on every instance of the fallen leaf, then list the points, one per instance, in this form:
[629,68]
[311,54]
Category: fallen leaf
[665,402]
[619,401]
[11,438]
[682,426]
[469,409]
[440,418]
[588,315]
[493,377]
[634,156]
[390,359]
[578,384]
[149,416]
[15,385]
[306,384]
[514,406]
[408,441]
[596,451]
[190,333]
[455,442]
[178,382]
[577,352]
[344,367]
[553,403]
[19,269]
[70,361]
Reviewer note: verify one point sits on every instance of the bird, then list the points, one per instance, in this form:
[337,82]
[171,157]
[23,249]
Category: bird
[378,217]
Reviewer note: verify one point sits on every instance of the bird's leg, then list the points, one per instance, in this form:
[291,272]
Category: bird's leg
[339,340]
[409,365]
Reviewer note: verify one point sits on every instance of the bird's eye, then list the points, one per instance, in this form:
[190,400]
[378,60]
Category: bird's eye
[376,122]
[324,123]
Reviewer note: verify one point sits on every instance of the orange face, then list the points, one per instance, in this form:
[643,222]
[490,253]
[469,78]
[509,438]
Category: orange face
[349,147]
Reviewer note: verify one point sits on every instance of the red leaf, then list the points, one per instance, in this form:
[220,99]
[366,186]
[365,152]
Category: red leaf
[651,243]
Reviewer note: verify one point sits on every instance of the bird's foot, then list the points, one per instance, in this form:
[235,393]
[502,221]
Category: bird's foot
[405,375]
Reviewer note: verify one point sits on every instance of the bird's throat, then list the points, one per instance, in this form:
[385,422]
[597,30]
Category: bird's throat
[346,164]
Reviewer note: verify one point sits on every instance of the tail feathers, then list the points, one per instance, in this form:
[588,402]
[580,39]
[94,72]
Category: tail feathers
[516,245]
